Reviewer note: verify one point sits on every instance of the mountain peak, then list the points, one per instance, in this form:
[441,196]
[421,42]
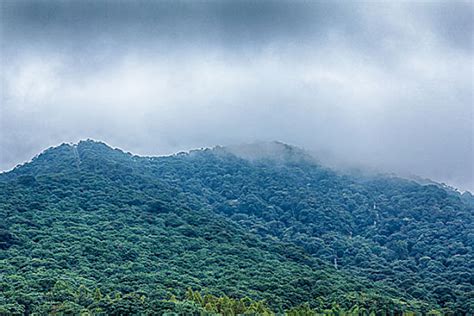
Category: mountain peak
[67,157]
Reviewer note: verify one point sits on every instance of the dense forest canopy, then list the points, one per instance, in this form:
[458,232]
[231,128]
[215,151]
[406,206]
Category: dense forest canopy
[255,229]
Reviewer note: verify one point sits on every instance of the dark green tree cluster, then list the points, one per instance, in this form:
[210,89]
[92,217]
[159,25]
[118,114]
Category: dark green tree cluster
[83,223]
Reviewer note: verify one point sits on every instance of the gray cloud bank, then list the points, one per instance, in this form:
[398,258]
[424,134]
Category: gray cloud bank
[382,85]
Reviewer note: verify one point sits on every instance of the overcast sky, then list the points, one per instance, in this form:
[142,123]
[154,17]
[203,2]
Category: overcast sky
[378,84]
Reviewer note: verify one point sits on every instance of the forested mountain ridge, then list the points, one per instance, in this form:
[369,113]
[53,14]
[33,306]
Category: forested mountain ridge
[261,221]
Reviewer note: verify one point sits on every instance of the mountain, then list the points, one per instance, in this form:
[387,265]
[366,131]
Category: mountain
[257,228]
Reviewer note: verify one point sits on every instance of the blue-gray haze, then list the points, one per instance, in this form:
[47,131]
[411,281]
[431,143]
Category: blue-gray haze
[383,85]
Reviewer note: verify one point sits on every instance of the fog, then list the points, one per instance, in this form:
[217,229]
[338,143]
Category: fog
[386,86]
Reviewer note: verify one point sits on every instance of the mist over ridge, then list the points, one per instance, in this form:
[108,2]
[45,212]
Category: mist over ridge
[370,85]
[275,151]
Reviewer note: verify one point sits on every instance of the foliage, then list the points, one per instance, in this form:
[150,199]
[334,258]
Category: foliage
[89,229]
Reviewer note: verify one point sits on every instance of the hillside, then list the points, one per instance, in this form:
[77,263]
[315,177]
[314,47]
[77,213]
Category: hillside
[89,228]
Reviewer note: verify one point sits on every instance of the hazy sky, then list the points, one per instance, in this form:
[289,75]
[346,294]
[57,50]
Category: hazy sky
[378,84]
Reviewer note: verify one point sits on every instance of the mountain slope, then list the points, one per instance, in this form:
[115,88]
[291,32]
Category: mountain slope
[268,223]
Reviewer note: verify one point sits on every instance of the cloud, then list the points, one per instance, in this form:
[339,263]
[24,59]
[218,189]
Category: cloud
[375,85]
